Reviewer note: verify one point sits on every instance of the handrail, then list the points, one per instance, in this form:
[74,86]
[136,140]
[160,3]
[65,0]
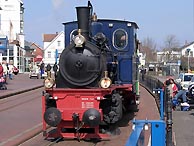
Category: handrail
[158,133]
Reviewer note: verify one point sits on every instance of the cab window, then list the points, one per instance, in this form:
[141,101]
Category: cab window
[120,39]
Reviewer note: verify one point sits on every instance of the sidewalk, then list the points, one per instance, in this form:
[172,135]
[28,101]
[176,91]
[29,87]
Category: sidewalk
[19,84]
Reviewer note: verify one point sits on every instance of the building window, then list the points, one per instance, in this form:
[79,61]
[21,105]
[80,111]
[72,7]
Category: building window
[49,54]
[59,43]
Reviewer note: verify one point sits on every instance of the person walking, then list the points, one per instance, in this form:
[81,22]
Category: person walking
[5,70]
[1,70]
[10,71]
[48,67]
[143,72]
[55,69]
[2,81]
[41,69]
[48,70]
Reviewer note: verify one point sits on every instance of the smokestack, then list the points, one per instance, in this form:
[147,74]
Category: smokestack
[83,16]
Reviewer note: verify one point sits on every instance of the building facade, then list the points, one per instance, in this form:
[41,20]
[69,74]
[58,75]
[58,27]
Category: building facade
[12,27]
[53,47]
[187,50]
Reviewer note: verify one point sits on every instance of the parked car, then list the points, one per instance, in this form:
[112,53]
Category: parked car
[34,74]
[184,79]
[190,93]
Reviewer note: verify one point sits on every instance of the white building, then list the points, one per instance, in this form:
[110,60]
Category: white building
[168,56]
[142,59]
[53,47]
[188,49]
[11,26]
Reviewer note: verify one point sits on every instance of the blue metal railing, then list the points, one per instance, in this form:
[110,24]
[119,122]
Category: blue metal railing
[161,94]
[158,133]
[158,128]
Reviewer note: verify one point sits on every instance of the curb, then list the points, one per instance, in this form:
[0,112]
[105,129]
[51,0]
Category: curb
[19,92]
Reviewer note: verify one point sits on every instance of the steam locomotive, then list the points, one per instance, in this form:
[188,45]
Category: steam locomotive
[97,79]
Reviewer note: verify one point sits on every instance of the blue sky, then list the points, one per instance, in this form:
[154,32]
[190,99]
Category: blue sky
[156,19]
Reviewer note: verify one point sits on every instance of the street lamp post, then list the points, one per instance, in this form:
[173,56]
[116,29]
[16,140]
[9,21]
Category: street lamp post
[188,50]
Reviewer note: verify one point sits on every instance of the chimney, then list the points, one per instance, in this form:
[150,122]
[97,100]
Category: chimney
[83,16]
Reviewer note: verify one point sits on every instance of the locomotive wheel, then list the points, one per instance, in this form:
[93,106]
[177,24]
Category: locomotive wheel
[113,110]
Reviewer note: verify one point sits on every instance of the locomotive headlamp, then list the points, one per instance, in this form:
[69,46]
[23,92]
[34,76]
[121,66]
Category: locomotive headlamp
[79,40]
[105,82]
[48,83]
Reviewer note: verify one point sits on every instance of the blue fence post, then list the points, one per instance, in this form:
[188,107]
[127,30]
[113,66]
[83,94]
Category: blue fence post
[161,104]
[161,92]
[158,133]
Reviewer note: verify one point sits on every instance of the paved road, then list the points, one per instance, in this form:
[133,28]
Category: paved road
[183,126]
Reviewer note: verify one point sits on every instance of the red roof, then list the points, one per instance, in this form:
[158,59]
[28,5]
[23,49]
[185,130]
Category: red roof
[49,37]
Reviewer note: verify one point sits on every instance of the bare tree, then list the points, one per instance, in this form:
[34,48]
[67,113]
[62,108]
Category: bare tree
[148,47]
[171,43]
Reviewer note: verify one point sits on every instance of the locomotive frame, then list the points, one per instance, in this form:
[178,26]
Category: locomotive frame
[101,83]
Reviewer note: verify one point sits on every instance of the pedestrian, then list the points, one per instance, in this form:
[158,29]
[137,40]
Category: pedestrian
[170,84]
[181,94]
[31,67]
[1,70]
[48,70]
[48,67]
[2,81]
[10,71]
[143,72]
[55,69]
[176,92]
[5,70]
[41,69]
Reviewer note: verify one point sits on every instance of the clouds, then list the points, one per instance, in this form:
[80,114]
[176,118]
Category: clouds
[58,4]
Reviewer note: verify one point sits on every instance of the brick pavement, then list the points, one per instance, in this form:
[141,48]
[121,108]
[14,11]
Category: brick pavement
[182,121]
[20,83]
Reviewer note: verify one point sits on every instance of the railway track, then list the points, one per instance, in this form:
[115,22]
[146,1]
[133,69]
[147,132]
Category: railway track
[20,115]
[12,101]
[118,133]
